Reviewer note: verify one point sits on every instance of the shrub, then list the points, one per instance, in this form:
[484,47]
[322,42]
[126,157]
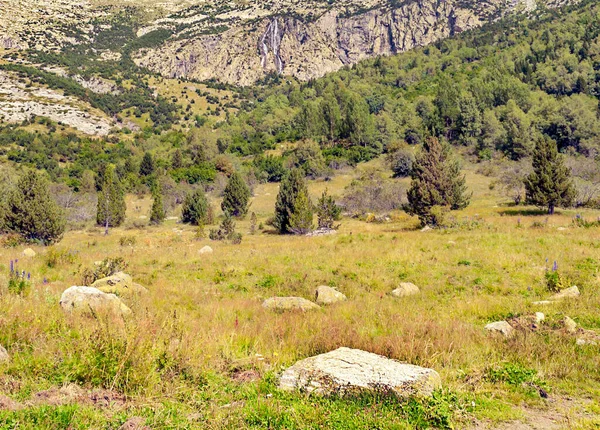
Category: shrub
[372,193]
[111,201]
[291,188]
[127,240]
[327,211]
[107,267]
[196,210]
[32,213]
[236,196]
[401,162]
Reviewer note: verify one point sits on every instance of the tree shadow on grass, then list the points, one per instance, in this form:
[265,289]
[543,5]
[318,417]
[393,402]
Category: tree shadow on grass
[524,212]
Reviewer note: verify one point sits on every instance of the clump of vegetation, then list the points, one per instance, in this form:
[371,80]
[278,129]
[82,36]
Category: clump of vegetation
[56,257]
[554,280]
[127,241]
[328,212]
[549,185]
[18,281]
[437,184]
[226,231]
[236,196]
[107,267]
[293,209]
[157,213]
[31,212]
[196,210]
[372,194]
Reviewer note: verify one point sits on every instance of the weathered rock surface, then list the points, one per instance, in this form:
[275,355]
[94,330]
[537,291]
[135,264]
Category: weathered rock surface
[501,327]
[327,295]
[347,371]
[289,303]
[4,357]
[570,325]
[205,250]
[120,284]
[567,293]
[28,252]
[89,299]
[405,289]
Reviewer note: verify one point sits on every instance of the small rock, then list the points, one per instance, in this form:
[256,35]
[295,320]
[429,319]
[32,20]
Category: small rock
[206,250]
[582,341]
[500,327]
[543,302]
[327,295]
[29,253]
[561,228]
[135,423]
[539,317]
[567,293]
[321,232]
[405,289]
[89,299]
[289,303]
[426,228]
[172,218]
[570,325]
[348,371]
[4,357]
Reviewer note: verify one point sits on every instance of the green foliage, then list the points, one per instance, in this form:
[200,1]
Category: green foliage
[56,257]
[549,185]
[327,211]
[512,374]
[555,281]
[127,241]
[292,186]
[31,212]
[107,267]
[147,166]
[196,210]
[111,200]
[226,231]
[157,213]
[301,219]
[437,184]
[236,196]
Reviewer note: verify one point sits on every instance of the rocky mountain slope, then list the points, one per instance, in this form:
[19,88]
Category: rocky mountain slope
[240,42]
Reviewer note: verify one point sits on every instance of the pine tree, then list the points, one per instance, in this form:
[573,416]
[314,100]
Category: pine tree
[177,159]
[111,201]
[436,184]
[157,214]
[147,166]
[301,220]
[291,186]
[327,211]
[236,196]
[196,210]
[31,212]
[549,185]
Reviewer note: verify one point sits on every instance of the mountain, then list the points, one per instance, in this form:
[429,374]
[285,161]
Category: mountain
[241,42]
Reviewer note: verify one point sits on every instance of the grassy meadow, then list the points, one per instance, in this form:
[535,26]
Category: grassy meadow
[199,350]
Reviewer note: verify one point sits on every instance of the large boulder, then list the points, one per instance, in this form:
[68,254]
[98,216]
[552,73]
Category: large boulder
[567,293]
[348,371]
[205,250]
[405,289]
[120,283]
[327,295]
[502,327]
[4,357]
[89,299]
[28,252]
[289,304]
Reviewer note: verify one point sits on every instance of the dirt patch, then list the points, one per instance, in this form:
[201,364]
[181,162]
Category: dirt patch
[73,393]
[7,404]
[244,376]
[135,423]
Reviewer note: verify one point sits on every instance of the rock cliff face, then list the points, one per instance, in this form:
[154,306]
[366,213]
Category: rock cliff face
[309,49]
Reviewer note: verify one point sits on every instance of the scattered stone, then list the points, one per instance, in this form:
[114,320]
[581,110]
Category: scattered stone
[120,283]
[583,341]
[289,303]
[327,295]
[543,302]
[500,327]
[570,325]
[29,253]
[539,317]
[561,228]
[321,232]
[347,371]
[405,289]
[567,293]
[86,299]
[206,250]
[426,228]
[135,423]
[172,218]
[4,357]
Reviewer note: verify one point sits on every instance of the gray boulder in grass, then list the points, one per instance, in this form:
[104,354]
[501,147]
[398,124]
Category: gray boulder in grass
[348,371]
[289,304]
[406,289]
[327,295]
[89,299]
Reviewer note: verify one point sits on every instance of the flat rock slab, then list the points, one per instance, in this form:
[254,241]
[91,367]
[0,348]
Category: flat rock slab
[567,293]
[327,295]
[88,299]
[405,289]
[289,304]
[501,327]
[348,371]
[120,283]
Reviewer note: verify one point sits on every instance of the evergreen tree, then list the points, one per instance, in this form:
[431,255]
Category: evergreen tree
[177,159]
[157,214]
[147,166]
[327,211]
[31,212]
[111,201]
[436,184]
[292,185]
[196,210]
[549,185]
[301,220]
[236,196]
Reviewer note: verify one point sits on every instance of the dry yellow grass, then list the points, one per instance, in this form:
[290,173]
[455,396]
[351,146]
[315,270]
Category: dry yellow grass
[203,317]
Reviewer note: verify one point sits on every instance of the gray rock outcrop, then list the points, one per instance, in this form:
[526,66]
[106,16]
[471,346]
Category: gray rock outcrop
[289,303]
[89,299]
